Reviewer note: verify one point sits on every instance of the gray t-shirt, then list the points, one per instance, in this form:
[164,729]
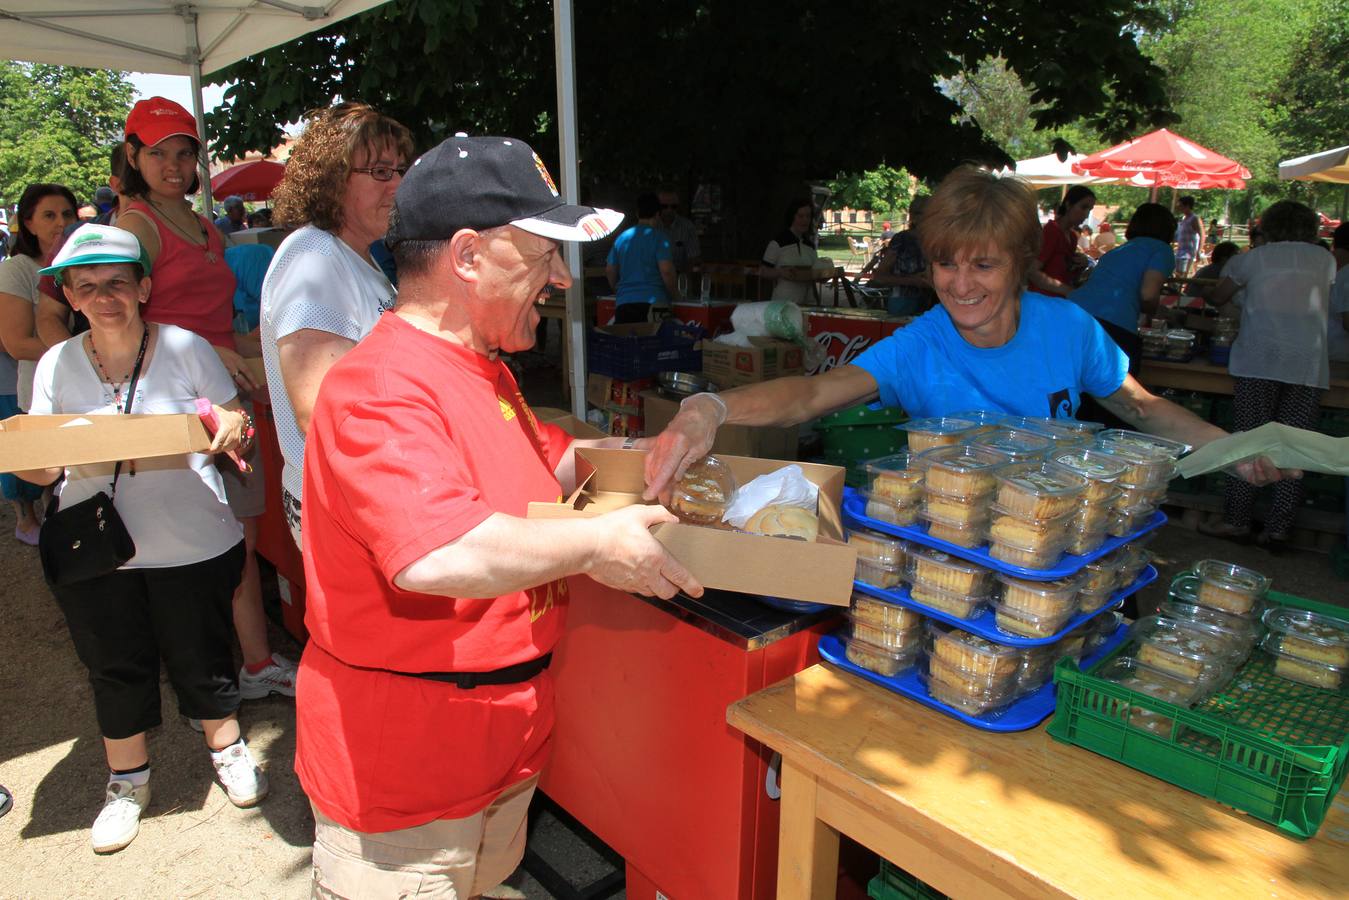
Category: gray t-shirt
[18,276]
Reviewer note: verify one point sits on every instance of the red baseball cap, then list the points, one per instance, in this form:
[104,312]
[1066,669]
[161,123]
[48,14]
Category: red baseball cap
[157,118]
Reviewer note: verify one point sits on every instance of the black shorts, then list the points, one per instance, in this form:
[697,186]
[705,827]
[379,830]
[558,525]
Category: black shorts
[124,623]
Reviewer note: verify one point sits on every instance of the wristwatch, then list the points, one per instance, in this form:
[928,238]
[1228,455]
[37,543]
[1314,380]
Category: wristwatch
[629,443]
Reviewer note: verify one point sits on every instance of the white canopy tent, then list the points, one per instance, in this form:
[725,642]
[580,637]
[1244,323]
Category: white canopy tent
[1331,166]
[174,37]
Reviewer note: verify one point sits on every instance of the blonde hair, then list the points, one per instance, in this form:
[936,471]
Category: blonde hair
[973,209]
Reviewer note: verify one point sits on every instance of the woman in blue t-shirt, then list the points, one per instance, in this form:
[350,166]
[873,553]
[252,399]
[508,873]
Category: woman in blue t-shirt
[991,344]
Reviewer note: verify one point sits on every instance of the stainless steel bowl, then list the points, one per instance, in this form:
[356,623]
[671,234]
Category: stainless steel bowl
[683,384]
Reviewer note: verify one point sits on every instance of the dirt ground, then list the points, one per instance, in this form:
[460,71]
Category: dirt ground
[193,842]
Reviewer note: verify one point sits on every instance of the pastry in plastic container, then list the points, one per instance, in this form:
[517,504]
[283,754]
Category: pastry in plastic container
[1131,497]
[1071,644]
[1099,630]
[960,471]
[973,683]
[935,569]
[1124,522]
[962,606]
[885,551]
[1034,554]
[1244,632]
[889,510]
[1090,601]
[953,531]
[704,493]
[1229,587]
[1090,515]
[1039,598]
[1050,428]
[1024,624]
[1185,649]
[1081,542]
[1129,672]
[1030,533]
[1304,671]
[1133,566]
[985,420]
[1151,460]
[1100,469]
[1038,490]
[971,653]
[958,510]
[897,639]
[878,659]
[872,611]
[895,477]
[876,574]
[1018,445]
[1036,669]
[971,700]
[1309,635]
[1099,577]
[938,431]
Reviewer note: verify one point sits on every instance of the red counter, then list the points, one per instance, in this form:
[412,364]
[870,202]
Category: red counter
[642,755]
[713,316]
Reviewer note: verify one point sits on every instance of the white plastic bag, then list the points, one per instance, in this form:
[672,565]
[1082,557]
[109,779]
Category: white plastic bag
[787,486]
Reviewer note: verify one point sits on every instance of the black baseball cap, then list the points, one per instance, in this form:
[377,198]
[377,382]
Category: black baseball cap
[487,182]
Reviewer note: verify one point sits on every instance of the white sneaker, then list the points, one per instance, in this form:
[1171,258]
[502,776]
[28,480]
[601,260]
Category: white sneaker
[244,783]
[277,678]
[120,819]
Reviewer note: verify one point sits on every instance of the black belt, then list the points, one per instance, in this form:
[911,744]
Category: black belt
[515,674]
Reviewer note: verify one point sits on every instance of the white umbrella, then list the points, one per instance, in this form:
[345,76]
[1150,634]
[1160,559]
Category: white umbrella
[170,37]
[1329,166]
[1050,171]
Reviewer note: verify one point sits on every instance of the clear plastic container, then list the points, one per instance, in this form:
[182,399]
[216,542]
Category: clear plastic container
[1100,469]
[889,510]
[1099,576]
[1039,490]
[938,431]
[1039,598]
[1044,558]
[1130,497]
[883,550]
[866,608]
[878,659]
[1090,601]
[870,572]
[1226,586]
[987,420]
[971,701]
[960,471]
[1099,630]
[1244,632]
[1133,567]
[1024,624]
[1124,522]
[1036,669]
[1051,428]
[1019,445]
[1086,429]
[1028,533]
[1309,636]
[957,510]
[1128,672]
[1151,460]
[1295,668]
[702,495]
[1092,515]
[1179,344]
[1083,541]
[975,685]
[1185,649]
[972,654]
[962,606]
[962,534]
[896,639]
[935,569]
[895,478]
[1072,644]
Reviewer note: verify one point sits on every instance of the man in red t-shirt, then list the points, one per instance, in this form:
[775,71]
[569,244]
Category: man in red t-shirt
[424,708]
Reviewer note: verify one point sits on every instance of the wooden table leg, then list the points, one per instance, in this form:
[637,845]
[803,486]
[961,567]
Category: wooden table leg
[807,848]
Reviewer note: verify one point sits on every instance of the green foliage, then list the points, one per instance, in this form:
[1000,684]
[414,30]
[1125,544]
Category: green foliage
[884,190]
[58,124]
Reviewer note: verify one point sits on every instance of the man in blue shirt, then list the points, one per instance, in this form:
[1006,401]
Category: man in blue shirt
[640,267]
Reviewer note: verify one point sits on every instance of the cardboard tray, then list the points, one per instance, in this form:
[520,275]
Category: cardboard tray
[47,442]
[819,572]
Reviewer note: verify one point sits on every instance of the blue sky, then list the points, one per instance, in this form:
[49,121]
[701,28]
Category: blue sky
[175,87]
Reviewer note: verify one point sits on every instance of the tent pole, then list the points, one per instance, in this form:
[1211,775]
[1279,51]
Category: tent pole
[203,160]
[574,338]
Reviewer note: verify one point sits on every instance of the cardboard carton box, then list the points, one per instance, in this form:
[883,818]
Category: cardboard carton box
[739,440]
[618,424]
[567,422]
[43,442]
[729,366]
[819,572]
[619,396]
[272,237]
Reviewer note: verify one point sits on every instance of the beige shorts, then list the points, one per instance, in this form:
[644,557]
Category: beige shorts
[451,859]
[246,494]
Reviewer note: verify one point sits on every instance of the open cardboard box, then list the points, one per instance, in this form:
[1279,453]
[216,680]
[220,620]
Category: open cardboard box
[48,442]
[819,572]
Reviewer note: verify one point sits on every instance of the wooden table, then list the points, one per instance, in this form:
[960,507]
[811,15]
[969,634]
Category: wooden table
[1009,815]
[1210,379]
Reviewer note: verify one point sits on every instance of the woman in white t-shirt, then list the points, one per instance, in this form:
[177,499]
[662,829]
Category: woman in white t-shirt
[171,601]
[1279,360]
[789,253]
[323,291]
[44,211]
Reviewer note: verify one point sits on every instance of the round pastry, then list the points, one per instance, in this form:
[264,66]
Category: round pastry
[702,495]
[785,521]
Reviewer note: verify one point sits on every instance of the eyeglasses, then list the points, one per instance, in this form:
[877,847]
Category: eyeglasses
[381,173]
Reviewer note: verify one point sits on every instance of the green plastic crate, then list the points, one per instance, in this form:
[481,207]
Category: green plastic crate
[1264,745]
[893,883]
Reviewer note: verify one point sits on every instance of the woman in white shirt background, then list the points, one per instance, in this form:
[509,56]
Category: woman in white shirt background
[1279,360]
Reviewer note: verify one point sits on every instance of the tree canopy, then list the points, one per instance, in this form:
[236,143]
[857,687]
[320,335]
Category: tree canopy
[58,124]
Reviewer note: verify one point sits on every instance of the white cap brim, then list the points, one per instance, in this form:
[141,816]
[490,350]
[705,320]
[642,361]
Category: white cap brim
[573,223]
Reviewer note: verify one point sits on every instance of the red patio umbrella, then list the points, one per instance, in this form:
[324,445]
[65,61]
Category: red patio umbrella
[1164,159]
[254,180]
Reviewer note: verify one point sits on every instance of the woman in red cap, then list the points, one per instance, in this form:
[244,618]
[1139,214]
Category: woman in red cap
[193,288]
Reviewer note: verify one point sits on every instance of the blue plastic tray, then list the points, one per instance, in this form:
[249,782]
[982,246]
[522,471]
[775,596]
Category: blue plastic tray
[985,624]
[801,607]
[1022,715]
[854,506]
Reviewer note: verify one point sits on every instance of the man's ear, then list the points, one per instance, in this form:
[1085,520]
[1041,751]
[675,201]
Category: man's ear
[463,253]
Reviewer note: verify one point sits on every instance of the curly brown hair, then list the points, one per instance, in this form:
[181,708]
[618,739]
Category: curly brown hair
[313,190]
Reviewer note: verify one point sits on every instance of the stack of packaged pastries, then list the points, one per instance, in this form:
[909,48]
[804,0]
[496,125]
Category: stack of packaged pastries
[1220,595]
[1150,463]
[1101,471]
[883,638]
[881,559]
[1035,609]
[1308,647]
[958,489]
[1032,513]
[894,491]
[970,673]
[943,582]
[1195,653]
[941,431]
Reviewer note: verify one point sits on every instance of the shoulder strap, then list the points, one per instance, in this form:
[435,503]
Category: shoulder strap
[131,395]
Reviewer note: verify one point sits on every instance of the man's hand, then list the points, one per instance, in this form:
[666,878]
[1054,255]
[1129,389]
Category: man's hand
[234,364]
[629,558]
[1261,471]
[684,441]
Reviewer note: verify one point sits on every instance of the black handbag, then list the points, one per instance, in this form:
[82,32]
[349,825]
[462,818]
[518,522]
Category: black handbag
[89,539]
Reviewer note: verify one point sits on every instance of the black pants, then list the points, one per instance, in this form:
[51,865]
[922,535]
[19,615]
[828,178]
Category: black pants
[632,312]
[1132,345]
[125,622]
[1257,401]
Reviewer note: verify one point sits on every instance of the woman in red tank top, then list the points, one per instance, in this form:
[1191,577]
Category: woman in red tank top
[192,287]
